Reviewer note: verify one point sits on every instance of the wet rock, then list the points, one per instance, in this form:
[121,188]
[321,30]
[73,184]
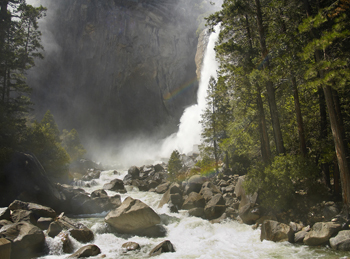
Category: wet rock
[248,214]
[66,242]
[176,199]
[158,168]
[194,184]
[215,207]
[5,248]
[54,229]
[99,194]
[25,177]
[77,230]
[132,217]
[162,188]
[341,241]
[86,251]
[5,222]
[37,209]
[173,189]
[23,215]
[116,185]
[44,223]
[320,233]
[27,240]
[197,212]
[164,247]
[82,235]
[276,231]
[300,235]
[130,246]
[193,200]
[91,175]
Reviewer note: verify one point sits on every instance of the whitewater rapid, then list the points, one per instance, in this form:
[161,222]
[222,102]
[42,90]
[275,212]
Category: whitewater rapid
[192,237]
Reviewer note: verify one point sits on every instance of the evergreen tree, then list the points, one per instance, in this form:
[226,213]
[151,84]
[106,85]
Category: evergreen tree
[71,143]
[174,165]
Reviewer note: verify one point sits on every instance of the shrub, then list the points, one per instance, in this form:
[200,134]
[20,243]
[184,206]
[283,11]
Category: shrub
[174,165]
[277,182]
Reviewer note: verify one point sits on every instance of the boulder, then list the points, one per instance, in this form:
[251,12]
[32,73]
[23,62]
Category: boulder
[23,215]
[321,232]
[158,168]
[341,241]
[99,194]
[67,245]
[5,248]
[215,207]
[164,247]
[276,231]
[44,223]
[116,185]
[86,251]
[132,217]
[27,240]
[130,246]
[176,199]
[162,188]
[54,229]
[197,212]
[82,235]
[194,184]
[37,209]
[193,200]
[5,222]
[248,214]
[173,189]
[25,177]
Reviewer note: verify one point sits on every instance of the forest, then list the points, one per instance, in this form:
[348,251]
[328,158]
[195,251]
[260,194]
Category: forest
[279,110]
[20,46]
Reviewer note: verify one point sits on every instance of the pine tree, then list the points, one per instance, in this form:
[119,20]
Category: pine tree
[174,165]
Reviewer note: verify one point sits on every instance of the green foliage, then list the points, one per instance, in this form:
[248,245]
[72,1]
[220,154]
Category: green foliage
[174,165]
[278,182]
[71,143]
[41,141]
[49,122]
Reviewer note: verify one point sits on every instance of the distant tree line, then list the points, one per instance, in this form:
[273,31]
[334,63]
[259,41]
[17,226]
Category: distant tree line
[20,45]
[279,110]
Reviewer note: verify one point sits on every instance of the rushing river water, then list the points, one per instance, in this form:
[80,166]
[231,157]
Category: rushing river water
[192,237]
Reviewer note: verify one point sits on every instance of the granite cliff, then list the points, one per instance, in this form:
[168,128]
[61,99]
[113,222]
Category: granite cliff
[115,67]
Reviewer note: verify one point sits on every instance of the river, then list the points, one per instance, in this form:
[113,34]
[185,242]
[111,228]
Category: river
[192,237]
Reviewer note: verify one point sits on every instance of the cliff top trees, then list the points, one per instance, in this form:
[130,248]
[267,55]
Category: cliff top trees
[19,45]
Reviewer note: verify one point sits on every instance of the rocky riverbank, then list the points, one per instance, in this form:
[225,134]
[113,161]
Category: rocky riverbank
[26,227]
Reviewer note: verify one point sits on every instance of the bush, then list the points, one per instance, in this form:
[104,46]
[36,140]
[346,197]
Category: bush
[71,143]
[278,182]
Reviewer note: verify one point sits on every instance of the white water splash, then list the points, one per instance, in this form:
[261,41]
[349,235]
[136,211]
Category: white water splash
[188,135]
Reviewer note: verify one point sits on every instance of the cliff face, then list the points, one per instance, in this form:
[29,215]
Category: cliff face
[117,66]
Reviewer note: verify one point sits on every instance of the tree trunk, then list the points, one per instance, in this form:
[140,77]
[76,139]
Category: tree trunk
[340,147]
[269,85]
[264,138]
[302,141]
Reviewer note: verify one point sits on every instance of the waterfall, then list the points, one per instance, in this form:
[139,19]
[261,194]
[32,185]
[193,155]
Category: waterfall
[190,128]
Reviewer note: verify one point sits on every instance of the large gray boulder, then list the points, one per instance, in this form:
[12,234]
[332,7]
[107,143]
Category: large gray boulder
[276,231]
[215,207]
[194,184]
[341,241]
[133,217]
[27,240]
[116,185]
[321,232]
[37,209]
[193,200]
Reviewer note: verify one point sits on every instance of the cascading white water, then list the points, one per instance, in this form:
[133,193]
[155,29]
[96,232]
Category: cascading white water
[190,128]
[192,237]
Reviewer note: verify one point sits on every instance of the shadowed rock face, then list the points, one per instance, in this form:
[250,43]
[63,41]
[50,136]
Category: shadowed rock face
[117,66]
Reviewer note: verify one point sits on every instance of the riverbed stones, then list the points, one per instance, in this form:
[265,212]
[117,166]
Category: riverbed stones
[99,194]
[116,185]
[193,200]
[162,188]
[130,246]
[276,231]
[164,247]
[197,212]
[341,241]
[27,240]
[194,184]
[133,216]
[54,229]
[86,251]
[37,209]
[44,223]
[82,234]
[320,233]
[215,207]
[23,215]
